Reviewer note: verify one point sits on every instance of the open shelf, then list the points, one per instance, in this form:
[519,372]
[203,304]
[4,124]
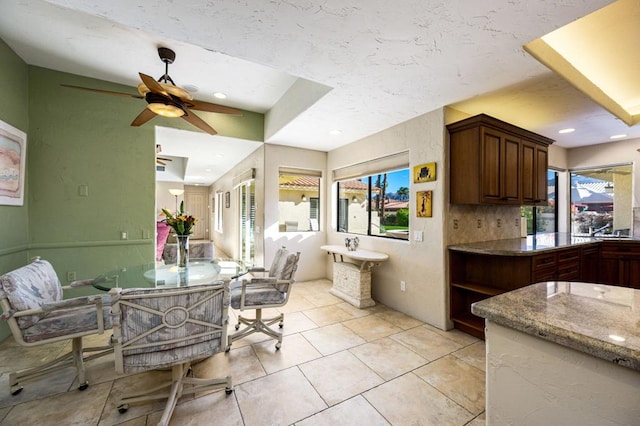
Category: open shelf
[470,324]
[478,288]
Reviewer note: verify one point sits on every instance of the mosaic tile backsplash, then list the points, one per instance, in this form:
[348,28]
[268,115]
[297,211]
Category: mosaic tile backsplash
[468,224]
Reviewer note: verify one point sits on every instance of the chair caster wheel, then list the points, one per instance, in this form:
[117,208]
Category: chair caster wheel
[16,390]
[83,386]
[228,391]
[278,345]
[228,348]
[281,325]
[237,326]
[123,408]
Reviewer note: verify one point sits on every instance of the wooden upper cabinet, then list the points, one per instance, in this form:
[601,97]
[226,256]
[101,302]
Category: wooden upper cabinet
[493,162]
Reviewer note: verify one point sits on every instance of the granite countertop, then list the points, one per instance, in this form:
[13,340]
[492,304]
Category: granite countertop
[596,319]
[533,244]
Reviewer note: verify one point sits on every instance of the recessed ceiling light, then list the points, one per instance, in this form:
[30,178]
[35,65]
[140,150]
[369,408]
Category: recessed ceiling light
[335,132]
[219,155]
[190,88]
[220,95]
[567,130]
[207,170]
[617,136]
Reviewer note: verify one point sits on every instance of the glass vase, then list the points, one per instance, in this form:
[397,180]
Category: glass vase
[182,259]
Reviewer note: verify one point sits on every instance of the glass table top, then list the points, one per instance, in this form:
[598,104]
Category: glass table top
[199,271]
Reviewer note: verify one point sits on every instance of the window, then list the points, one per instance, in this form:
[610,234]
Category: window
[219,208]
[375,205]
[541,219]
[299,200]
[601,201]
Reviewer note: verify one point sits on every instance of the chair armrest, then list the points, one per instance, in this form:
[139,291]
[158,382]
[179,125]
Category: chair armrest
[72,303]
[94,282]
[257,269]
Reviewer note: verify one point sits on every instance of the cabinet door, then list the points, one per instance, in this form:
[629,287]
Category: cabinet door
[500,167]
[589,265]
[528,172]
[490,175]
[510,165]
[541,165]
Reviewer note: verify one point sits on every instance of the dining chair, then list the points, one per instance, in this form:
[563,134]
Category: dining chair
[32,303]
[159,328]
[270,291]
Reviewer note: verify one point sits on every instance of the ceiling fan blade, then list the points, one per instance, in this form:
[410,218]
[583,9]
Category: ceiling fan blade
[152,84]
[143,117]
[164,159]
[104,92]
[192,118]
[162,163]
[209,107]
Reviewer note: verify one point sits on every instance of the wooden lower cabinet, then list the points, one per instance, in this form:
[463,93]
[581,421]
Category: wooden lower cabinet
[619,264]
[474,277]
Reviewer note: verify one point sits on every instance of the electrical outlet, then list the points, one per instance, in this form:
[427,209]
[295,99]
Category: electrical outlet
[479,223]
[123,235]
[403,286]
[499,223]
[417,235]
[71,276]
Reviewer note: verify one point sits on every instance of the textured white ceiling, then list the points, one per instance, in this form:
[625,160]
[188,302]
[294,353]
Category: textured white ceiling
[382,62]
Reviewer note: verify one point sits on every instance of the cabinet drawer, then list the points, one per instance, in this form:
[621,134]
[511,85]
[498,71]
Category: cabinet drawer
[569,270]
[544,261]
[568,257]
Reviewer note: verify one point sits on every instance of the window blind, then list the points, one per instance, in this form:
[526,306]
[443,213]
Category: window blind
[387,163]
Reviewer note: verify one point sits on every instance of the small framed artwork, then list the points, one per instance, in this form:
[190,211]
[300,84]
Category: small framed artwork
[13,157]
[227,199]
[423,203]
[424,173]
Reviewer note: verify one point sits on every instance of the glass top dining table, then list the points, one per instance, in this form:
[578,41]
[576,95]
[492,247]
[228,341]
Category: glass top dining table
[198,271]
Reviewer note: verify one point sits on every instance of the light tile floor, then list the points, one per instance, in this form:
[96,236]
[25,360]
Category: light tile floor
[338,365]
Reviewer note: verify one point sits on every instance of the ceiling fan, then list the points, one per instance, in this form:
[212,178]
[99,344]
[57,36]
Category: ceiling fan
[166,99]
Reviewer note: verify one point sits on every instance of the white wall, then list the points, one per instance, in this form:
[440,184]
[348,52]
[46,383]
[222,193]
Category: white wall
[420,264]
[166,200]
[311,265]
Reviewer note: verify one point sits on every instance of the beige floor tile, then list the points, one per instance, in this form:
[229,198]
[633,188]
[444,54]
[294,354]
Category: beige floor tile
[340,376]
[59,409]
[241,363]
[295,350]
[478,421]
[295,322]
[457,336]
[458,380]
[282,398]
[47,386]
[3,412]
[333,338]
[399,319]
[354,411]
[372,327]
[214,408]
[426,343]
[327,315]
[353,311]
[408,400]
[127,386]
[16,357]
[100,370]
[474,355]
[138,421]
[323,299]
[388,358]
[296,304]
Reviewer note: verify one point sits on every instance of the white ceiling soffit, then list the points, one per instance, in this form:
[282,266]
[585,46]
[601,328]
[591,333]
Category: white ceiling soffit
[207,157]
[386,61]
[599,55]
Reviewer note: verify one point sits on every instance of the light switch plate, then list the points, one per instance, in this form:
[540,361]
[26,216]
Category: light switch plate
[417,235]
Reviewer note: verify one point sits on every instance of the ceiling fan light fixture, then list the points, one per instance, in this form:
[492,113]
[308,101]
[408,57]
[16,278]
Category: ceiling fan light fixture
[166,110]
[166,107]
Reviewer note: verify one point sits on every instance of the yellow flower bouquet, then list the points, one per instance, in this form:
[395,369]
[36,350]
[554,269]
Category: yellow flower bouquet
[181,223]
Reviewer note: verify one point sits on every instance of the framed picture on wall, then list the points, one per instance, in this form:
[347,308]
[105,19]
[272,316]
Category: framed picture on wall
[423,206]
[227,199]
[424,173]
[13,157]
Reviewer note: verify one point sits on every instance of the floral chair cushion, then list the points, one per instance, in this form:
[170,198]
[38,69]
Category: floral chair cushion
[260,291]
[63,322]
[170,328]
[30,287]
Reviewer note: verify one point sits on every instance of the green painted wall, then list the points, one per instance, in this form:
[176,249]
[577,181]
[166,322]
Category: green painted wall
[81,143]
[14,110]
